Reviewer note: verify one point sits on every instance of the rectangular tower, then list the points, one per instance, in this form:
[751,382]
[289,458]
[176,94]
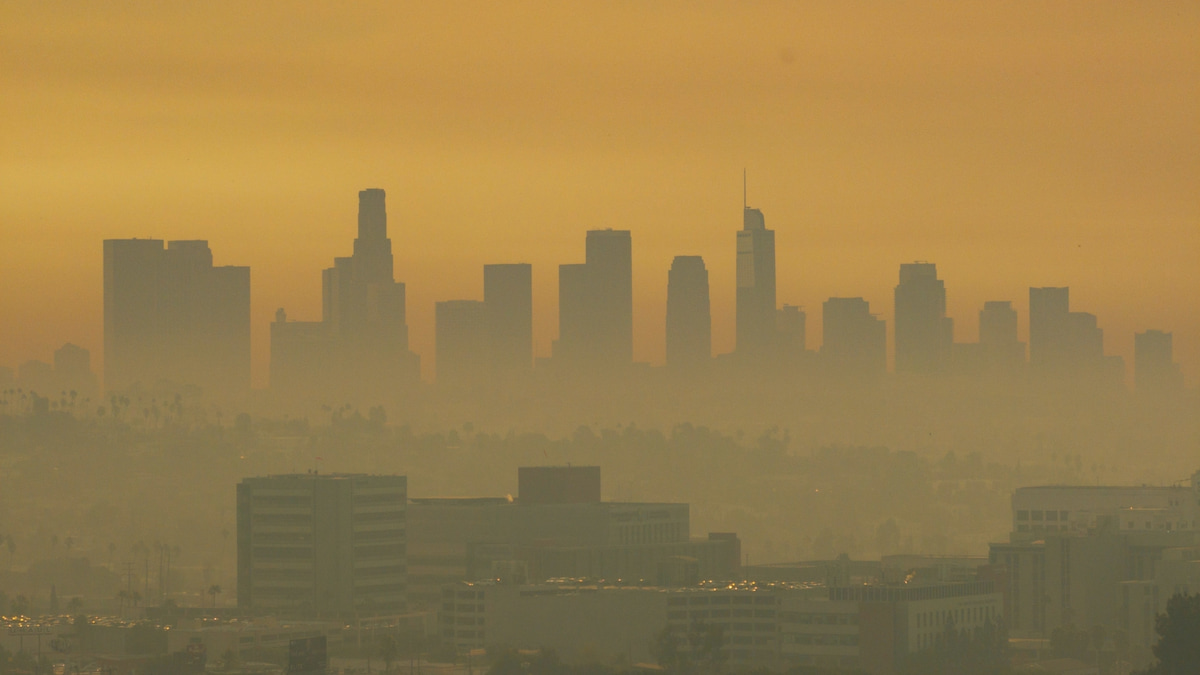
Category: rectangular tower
[755,285]
[508,301]
[924,334]
[313,545]
[610,280]
[689,323]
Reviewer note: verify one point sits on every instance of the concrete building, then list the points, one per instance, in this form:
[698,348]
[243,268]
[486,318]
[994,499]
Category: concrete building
[924,334]
[854,341]
[508,303]
[556,527]
[1154,367]
[755,286]
[689,322]
[778,626]
[170,316]
[461,342]
[322,545]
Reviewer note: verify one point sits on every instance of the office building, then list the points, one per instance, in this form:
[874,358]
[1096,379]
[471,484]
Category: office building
[1000,347]
[1154,367]
[854,341]
[172,318]
[595,300]
[791,324]
[359,348]
[461,342]
[508,303]
[924,334]
[322,545]
[755,286]
[689,323]
[556,526]
[73,371]
[1062,342]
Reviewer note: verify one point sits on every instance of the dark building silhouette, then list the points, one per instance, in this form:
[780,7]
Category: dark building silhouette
[791,324]
[462,356]
[595,304]
[1154,367]
[558,484]
[854,341]
[924,334]
[689,322]
[998,350]
[171,316]
[1062,342]
[360,346]
[73,371]
[508,301]
[755,286]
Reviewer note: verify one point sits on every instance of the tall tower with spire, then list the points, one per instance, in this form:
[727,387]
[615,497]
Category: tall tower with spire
[755,283]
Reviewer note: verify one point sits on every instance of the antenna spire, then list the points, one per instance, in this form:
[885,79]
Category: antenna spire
[745,202]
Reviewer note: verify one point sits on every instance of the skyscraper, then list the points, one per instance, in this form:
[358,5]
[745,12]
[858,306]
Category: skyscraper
[791,325]
[595,304]
[360,346]
[1154,367]
[755,285]
[1062,342]
[924,334]
[1048,310]
[998,341]
[689,324]
[461,342]
[610,277]
[854,341]
[508,301]
[171,316]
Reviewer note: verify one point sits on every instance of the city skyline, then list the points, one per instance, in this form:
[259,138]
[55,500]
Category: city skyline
[1054,144]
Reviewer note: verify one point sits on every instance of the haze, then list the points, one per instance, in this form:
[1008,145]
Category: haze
[1014,145]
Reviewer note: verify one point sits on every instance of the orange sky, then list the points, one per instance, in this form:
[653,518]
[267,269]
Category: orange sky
[1013,144]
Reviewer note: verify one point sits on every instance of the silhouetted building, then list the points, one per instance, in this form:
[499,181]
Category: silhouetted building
[1062,342]
[508,301]
[595,300]
[998,335]
[461,342]
[755,286]
[311,544]
[689,323]
[791,323]
[73,371]
[171,316]
[1154,367]
[360,346]
[924,334]
[854,341]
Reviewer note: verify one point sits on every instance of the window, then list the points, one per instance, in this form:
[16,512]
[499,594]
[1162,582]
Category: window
[1022,515]
[1036,515]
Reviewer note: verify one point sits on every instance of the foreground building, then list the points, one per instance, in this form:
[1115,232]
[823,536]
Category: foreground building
[557,526]
[322,545]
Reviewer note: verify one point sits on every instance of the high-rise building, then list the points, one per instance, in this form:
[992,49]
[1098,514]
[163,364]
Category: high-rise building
[998,341]
[854,341]
[1154,367]
[171,316]
[924,334]
[322,545]
[461,342]
[360,346]
[1066,343]
[573,317]
[610,276]
[689,323]
[755,286]
[595,304]
[791,324]
[508,301]
[1048,310]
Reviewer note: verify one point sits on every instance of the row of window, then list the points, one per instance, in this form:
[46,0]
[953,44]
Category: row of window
[1040,515]
[822,639]
[721,614]
[819,619]
[939,618]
